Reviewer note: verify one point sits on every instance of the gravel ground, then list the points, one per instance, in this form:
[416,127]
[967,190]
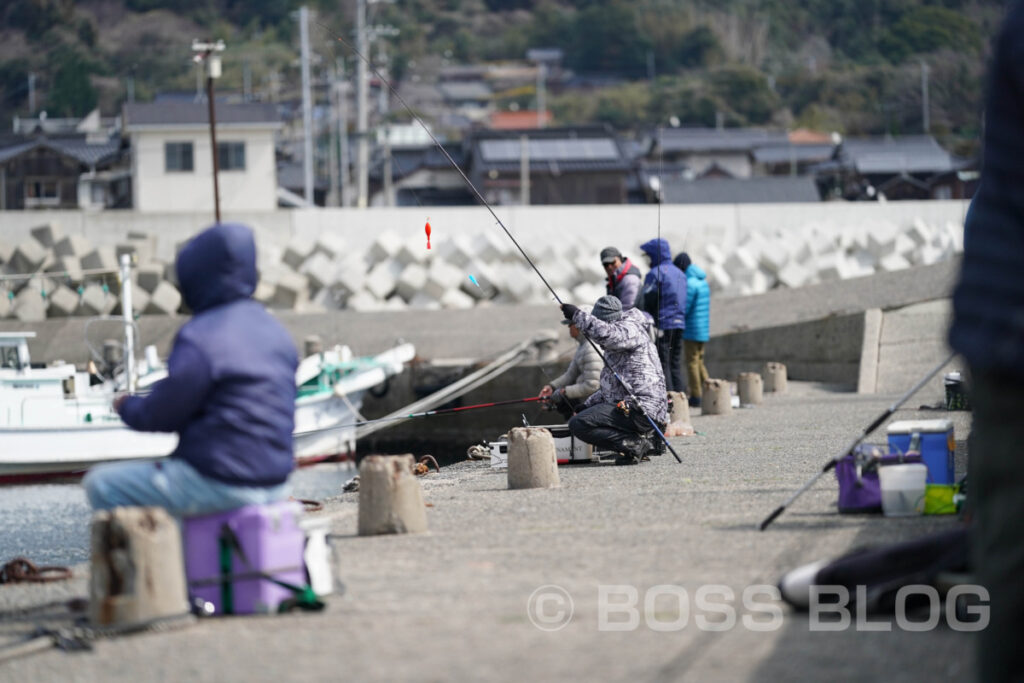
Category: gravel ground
[452,604]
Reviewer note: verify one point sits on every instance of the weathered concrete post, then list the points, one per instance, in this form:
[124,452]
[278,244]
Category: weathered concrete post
[679,415]
[750,387]
[775,377]
[137,572]
[390,499]
[716,398]
[532,463]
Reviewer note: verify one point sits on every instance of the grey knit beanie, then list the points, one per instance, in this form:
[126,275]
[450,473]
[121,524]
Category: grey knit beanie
[608,308]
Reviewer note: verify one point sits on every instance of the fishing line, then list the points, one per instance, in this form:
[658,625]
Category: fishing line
[469,183]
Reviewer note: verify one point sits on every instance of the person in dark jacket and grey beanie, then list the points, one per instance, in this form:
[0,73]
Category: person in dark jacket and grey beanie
[608,418]
[988,331]
[623,277]
[229,394]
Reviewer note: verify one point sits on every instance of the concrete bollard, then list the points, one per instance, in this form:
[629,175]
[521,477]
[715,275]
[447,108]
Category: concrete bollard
[679,415]
[532,463]
[390,500]
[716,398]
[775,377]
[137,572]
[750,387]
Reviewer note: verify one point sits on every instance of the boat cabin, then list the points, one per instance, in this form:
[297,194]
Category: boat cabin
[14,350]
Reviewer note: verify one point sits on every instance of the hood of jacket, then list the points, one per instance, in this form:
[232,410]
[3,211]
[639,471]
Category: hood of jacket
[658,250]
[217,266]
[696,271]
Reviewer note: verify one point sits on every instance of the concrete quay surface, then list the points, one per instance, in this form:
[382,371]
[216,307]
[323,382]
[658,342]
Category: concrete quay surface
[452,604]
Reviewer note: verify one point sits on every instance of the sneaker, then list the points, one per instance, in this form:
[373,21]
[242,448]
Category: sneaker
[795,585]
[695,401]
[627,459]
[657,447]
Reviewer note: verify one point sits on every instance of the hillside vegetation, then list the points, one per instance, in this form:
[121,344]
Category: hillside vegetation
[852,66]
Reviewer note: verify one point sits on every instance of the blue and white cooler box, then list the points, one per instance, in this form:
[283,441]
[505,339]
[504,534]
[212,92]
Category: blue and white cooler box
[937,446]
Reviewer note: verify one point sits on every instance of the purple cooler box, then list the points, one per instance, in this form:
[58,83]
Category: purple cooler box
[859,489]
[258,539]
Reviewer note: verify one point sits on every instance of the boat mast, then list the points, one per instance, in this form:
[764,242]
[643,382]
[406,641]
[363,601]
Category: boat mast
[129,323]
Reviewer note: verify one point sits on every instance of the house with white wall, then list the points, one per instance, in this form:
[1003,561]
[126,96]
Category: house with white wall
[172,164]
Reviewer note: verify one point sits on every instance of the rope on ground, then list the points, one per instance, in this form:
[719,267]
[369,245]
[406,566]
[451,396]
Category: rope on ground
[23,570]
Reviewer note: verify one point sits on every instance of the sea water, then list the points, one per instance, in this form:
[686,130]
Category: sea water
[49,523]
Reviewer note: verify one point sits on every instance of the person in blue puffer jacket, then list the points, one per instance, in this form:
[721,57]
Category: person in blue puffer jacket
[664,297]
[698,323]
[229,394]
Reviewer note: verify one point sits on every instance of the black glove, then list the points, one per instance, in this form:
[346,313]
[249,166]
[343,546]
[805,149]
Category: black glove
[568,310]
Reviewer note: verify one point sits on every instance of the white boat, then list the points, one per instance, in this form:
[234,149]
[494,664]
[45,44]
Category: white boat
[56,421]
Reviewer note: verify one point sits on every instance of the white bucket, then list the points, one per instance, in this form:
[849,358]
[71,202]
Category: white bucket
[902,489]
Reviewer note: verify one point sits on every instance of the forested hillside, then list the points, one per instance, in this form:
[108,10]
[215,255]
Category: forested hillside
[853,66]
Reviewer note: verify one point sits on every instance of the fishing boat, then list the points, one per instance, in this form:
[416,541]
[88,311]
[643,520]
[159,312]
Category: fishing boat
[57,421]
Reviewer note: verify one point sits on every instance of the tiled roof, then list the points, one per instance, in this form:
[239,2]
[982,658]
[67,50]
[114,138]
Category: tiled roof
[517,120]
[195,113]
[770,189]
[87,153]
[780,154]
[911,154]
[471,90]
[697,140]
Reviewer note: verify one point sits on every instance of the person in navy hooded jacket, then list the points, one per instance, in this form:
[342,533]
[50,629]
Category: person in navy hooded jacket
[229,394]
[664,297]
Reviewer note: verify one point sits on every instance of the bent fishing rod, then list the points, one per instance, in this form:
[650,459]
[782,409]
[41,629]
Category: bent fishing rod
[853,444]
[494,215]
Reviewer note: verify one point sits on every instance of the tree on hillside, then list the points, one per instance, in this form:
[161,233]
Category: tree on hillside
[746,92]
[927,29]
[607,39]
[36,17]
[71,92]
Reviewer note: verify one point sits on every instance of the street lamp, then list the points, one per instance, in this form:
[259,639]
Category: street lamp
[208,53]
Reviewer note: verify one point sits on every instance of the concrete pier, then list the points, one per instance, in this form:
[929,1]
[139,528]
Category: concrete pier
[472,599]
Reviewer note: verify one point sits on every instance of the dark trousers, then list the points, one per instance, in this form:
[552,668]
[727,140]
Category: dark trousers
[670,351]
[605,426]
[995,491]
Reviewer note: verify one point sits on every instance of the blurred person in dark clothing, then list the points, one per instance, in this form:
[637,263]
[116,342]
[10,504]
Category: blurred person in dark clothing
[988,331]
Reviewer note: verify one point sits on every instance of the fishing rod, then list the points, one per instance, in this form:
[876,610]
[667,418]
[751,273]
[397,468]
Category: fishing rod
[444,411]
[494,215]
[853,444]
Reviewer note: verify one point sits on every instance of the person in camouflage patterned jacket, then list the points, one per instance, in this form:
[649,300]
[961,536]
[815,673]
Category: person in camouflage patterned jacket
[609,419]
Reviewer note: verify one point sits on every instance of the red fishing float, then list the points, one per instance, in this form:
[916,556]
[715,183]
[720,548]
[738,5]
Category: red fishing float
[427,230]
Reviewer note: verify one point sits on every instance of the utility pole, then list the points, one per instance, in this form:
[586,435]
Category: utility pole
[925,117]
[388,170]
[524,170]
[208,54]
[542,104]
[362,149]
[341,91]
[307,108]
[246,81]
[31,93]
[332,125]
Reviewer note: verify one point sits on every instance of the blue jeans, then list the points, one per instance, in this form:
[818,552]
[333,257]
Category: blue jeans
[172,484]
